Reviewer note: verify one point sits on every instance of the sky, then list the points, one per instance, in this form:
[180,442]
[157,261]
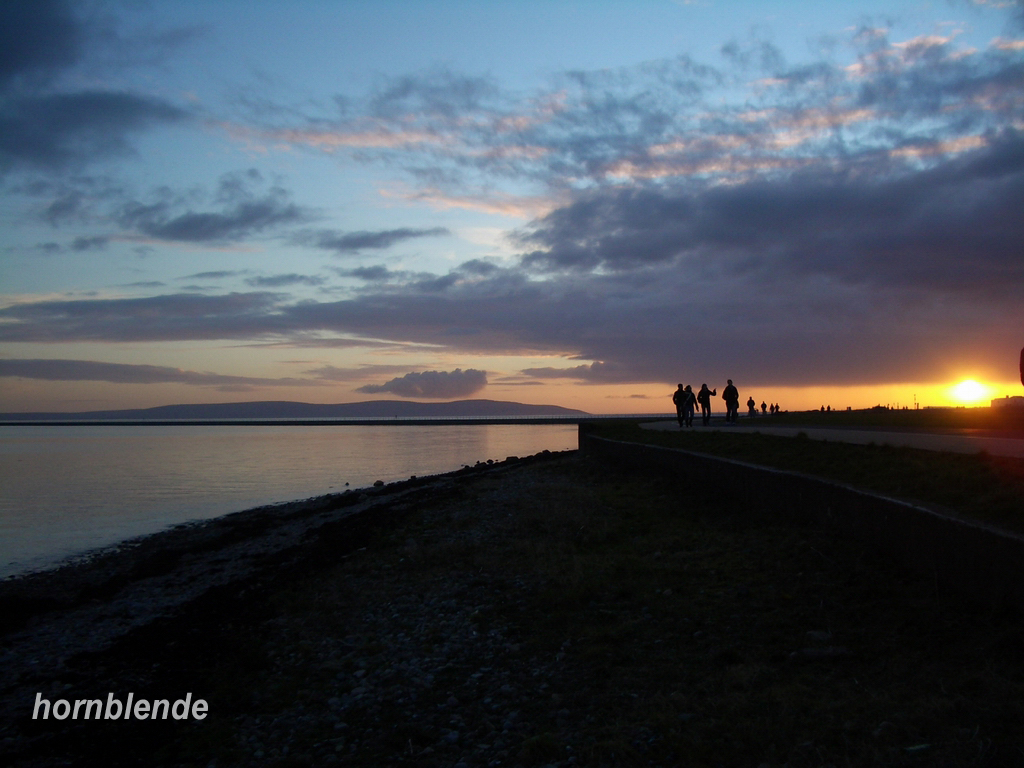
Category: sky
[579,203]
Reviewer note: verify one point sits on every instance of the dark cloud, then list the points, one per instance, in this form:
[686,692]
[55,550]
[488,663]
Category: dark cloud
[439,93]
[953,227]
[595,373]
[279,281]
[432,384]
[214,275]
[354,242]
[37,37]
[95,243]
[169,317]
[66,130]
[245,209]
[478,267]
[376,273]
[120,373]
[46,125]
[361,373]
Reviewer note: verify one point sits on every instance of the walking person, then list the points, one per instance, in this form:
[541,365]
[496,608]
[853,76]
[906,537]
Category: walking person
[678,398]
[751,407]
[704,398]
[732,402]
[689,405]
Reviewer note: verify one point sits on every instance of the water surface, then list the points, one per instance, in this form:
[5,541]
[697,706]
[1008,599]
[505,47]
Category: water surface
[65,491]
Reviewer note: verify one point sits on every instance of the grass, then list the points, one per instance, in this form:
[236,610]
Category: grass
[981,487]
[937,419]
[693,637]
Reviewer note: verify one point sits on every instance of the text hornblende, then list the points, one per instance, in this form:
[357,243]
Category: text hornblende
[115,709]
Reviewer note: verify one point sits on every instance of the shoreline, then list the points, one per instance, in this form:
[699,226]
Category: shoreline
[86,604]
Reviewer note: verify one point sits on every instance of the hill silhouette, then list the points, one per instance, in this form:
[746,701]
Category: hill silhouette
[285,409]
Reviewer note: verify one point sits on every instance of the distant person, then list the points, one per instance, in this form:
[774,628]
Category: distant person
[732,402]
[678,398]
[1022,366]
[764,407]
[751,407]
[704,398]
[689,405]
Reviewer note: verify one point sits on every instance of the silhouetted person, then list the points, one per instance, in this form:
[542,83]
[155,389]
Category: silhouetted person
[689,405]
[704,398]
[1022,366]
[732,402]
[678,397]
[751,407]
[764,407]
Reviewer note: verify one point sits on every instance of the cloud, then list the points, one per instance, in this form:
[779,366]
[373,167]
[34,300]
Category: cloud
[595,373]
[432,384]
[65,130]
[376,273]
[360,373]
[354,242]
[950,228]
[37,37]
[120,373]
[169,317]
[97,242]
[213,275]
[49,123]
[279,281]
[245,211]
[439,93]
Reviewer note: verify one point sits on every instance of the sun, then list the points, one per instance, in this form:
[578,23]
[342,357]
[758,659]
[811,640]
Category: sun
[969,391]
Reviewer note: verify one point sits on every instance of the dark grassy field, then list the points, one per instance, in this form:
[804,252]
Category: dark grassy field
[980,487]
[1009,420]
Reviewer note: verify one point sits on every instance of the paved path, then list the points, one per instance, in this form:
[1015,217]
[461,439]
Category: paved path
[955,443]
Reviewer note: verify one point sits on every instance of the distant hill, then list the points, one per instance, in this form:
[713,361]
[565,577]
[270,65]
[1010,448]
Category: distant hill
[283,409]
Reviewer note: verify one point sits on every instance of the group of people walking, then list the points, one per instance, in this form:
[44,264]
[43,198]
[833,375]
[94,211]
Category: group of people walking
[686,403]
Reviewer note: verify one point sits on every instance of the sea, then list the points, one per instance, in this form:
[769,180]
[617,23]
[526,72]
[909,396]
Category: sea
[69,491]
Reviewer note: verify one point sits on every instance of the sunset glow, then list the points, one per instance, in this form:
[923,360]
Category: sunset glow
[971,392]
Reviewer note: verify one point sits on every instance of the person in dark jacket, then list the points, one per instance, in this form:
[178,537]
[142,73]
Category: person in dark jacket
[678,398]
[732,402]
[689,405]
[704,398]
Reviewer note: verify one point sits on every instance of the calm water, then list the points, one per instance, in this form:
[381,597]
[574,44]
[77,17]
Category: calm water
[65,491]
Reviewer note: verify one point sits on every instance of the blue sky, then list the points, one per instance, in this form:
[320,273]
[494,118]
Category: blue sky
[565,202]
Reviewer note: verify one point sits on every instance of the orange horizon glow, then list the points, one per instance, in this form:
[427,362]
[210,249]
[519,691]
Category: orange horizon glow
[69,397]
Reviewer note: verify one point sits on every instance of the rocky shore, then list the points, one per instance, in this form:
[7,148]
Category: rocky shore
[543,611]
